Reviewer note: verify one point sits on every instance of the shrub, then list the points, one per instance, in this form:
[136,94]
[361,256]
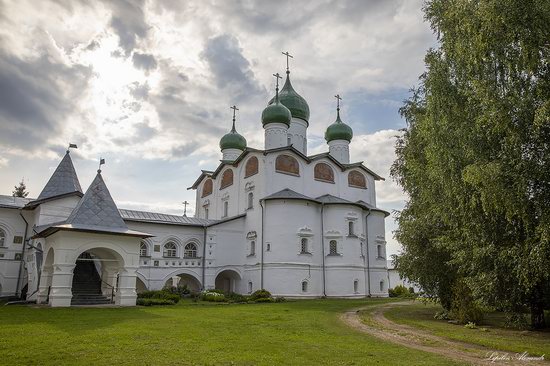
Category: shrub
[265,300]
[162,294]
[464,309]
[442,315]
[213,296]
[181,290]
[260,294]
[401,291]
[154,301]
[280,299]
[470,325]
[218,291]
[235,297]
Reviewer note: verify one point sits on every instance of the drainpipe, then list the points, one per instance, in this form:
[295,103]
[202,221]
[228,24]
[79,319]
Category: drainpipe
[204,257]
[367,267]
[323,248]
[22,255]
[262,247]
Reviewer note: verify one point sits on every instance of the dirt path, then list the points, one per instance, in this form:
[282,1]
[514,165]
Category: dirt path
[414,338]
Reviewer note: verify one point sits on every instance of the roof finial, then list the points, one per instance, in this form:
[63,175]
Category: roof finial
[235,109]
[101,162]
[338,99]
[71,146]
[185,203]
[288,55]
[277,77]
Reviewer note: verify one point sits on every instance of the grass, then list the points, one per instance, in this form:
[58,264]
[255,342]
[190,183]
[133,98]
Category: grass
[497,337]
[304,332]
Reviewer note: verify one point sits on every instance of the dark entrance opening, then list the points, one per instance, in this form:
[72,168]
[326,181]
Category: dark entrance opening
[87,282]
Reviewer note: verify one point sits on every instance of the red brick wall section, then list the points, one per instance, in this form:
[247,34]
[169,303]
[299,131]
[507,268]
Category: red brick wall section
[227,179]
[323,172]
[287,164]
[207,188]
[357,179]
[251,167]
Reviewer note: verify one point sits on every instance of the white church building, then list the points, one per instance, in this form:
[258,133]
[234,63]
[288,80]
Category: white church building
[298,225]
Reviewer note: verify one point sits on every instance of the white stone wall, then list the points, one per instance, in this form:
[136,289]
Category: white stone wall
[297,133]
[10,253]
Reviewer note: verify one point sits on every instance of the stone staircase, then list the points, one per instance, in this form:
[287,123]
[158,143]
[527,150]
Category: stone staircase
[87,285]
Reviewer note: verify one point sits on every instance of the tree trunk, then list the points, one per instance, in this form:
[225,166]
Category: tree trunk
[537,308]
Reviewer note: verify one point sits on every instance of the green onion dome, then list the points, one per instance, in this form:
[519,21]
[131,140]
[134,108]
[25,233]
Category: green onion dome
[276,113]
[338,130]
[233,140]
[293,101]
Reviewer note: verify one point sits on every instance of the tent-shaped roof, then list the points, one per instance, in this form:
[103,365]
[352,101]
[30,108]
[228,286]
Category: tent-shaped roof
[96,212]
[63,180]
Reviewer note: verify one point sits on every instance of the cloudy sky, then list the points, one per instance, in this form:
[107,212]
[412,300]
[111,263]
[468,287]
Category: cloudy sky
[147,85]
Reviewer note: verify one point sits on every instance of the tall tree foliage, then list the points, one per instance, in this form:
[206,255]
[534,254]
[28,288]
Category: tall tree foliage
[20,190]
[475,156]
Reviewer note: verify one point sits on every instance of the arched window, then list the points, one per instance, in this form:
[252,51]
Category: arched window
[356,286]
[252,248]
[382,285]
[357,179]
[351,232]
[333,247]
[304,246]
[227,179]
[379,252]
[323,172]
[225,209]
[249,287]
[2,238]
[206,213]
[143,249]
[190,250]
[304,286]
[250,200]
[170,250]
[287,164]
[251,167]
[207,188]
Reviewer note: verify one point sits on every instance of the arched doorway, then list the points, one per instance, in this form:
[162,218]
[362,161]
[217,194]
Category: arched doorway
[228,280]
[184,279]
[95,277]
[140,286]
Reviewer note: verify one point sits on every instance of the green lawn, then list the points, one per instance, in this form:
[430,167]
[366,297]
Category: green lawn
[421,316]
[293,333]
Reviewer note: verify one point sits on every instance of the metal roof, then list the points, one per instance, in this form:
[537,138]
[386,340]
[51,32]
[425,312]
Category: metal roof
[153,217]
[289,194]
[13,202]
[63,180]
[97,208]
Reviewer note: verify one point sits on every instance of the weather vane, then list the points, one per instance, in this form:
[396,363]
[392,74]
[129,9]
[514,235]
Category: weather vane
[72,146]
[288,55]
[185,203]
[101,162]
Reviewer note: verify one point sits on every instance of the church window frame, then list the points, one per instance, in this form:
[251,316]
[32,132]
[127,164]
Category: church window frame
[356,286]
[251,167]
[206,213]
[250,200]
[287,164]
[381,285]
[304,286]
[323,172]
[250,287]
[356,179]
[304,246]
[3,237]
[191,250]
[227,179]
[252,249]
[170,250]
[225,209]
[379,251]
[207,188]
[333,248]
[351,228]
[143,249]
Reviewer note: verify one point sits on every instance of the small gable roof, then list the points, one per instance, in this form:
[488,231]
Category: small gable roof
[289,194]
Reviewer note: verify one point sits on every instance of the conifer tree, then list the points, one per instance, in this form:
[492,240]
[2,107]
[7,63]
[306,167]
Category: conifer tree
[20,190]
